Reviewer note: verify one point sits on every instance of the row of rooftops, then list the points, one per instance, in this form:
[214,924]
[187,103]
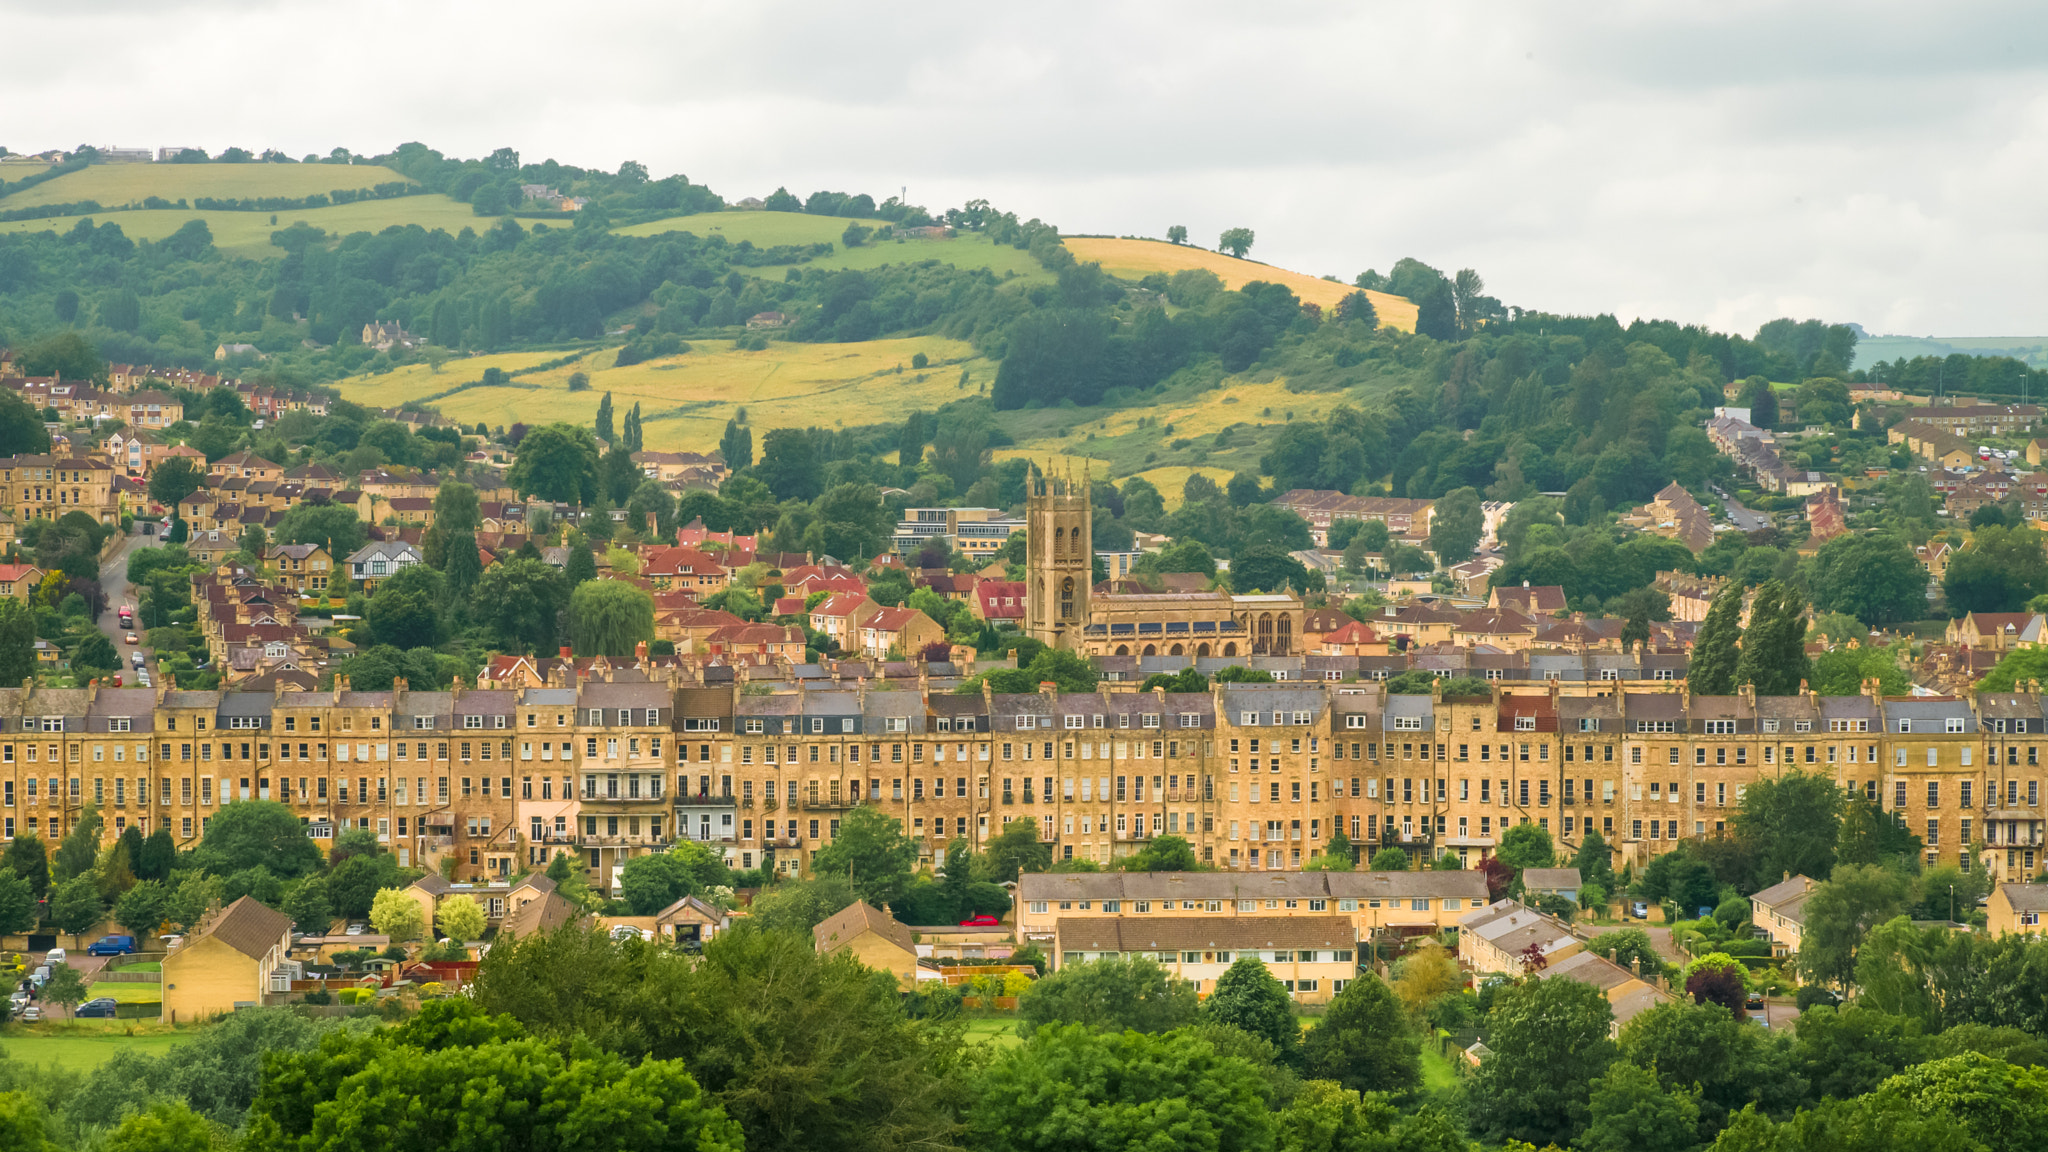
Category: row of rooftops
[629,699]
[1078,886]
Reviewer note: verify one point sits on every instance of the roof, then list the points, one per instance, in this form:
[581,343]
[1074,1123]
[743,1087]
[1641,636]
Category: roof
[2026,897]
[1784,896]
[249,927]
[1175,933]
[1248,886]
[1514,929]
[537,916]
[1549,878]
[856,918]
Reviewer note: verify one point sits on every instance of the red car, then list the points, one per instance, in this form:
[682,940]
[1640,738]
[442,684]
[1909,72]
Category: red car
[982,921]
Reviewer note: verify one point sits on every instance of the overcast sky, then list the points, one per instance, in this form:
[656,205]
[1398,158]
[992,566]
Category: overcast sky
[1720,163]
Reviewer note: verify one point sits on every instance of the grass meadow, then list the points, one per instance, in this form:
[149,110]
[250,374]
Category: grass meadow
[764,229]
[1135,259]
[120,183]
[83,1045]
[686,400]
[247,234]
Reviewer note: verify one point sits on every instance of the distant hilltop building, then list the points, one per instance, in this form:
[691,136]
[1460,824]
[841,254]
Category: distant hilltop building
[384,337]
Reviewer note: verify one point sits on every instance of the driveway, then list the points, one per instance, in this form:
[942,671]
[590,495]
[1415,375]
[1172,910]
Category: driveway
[114,580]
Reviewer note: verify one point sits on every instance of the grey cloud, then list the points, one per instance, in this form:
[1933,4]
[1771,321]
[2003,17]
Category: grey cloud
[1721,164]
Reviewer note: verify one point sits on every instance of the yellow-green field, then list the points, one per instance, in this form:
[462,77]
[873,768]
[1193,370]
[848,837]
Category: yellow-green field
[686,400]
[120,183]
[967,250]
[22,171]
[1136,259]
[765,229]
[1171,480]
[248,233]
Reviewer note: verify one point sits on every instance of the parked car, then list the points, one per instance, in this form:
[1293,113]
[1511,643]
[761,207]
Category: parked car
[1639,910]
[136,659]
[31,1014]
[102,1006]
[982,921]
[142,680]
[131,638]
[111,946]
[354,929]
[40,976]
[1754,1002]
[55,956]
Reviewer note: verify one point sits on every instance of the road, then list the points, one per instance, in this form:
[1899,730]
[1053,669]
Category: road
[114,580]
[1743,519]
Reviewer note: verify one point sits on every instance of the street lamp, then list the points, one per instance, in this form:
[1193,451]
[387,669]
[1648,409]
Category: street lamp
[1951,903]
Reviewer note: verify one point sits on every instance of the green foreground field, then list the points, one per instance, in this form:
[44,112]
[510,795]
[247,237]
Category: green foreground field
[763,229]
[112,184]
[84,1045]
[127,992]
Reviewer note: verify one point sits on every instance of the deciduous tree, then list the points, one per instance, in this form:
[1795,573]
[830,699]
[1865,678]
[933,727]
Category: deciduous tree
[1362,1041]
[610,618]
[1129,993]
[1248,996]
[1549,1044]
[1072,1085]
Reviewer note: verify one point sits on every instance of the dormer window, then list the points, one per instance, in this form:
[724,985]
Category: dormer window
[1525,723]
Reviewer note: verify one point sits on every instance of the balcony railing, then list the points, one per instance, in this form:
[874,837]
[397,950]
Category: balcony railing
[702,799]
[623,841]
[601,799]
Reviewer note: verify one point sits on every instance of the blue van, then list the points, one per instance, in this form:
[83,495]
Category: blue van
[111,946]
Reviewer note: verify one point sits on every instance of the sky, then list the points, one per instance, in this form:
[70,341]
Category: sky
[1721,164]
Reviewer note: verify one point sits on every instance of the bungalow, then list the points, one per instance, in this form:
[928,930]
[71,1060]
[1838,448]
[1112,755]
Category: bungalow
[690,920]
[1628,995]
[1551,882]
[228,964]
[875,938]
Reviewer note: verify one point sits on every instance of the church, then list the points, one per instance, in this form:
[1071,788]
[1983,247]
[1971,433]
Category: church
[1063,610]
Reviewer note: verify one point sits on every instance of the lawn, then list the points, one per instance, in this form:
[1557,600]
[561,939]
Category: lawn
[1000,1031]
[765,229]
[1440,1073]
[686,400]
[1136,259]
[248,233]
[127,991]
[85,1044]
[112,184]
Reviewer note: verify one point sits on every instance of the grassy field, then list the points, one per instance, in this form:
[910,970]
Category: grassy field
[1000,1031]
[1131,441]
[12,172]
[127,992]
[84,1045]
[765,229]
[248,233]
[1440,1073]
[964,251]
[1135,259]
[686,400]
[120,183]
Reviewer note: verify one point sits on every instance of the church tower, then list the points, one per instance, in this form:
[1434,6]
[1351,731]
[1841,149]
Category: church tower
[1059,560]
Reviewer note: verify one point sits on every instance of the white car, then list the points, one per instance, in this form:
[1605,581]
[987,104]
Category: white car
[31,1014]
[55,956]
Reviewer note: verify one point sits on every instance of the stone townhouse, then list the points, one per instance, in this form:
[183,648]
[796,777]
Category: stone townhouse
[609,763]
[50,487]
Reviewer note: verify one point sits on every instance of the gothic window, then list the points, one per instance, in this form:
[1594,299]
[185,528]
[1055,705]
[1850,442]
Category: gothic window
[1067,598]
